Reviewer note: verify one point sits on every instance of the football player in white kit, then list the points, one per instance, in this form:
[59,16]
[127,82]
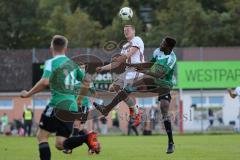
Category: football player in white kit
[234,93]
[132,52]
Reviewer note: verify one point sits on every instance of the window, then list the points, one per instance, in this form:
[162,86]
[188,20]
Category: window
[216,100]
[199,100]
[146,102]
[6,104]
[40,102]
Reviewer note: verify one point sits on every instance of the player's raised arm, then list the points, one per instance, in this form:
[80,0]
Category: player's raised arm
[140,66]
[114,64]
[126,56]
[104,68]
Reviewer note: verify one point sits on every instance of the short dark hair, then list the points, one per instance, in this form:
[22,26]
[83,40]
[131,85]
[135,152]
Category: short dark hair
[129,25]
[59,42]
[170,41]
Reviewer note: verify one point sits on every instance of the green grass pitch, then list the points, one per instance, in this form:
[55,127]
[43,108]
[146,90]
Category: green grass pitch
[188,147]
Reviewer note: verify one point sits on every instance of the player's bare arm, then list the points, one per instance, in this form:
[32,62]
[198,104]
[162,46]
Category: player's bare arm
[117,61]
[104,68]
[140,66]
[108,67]
[123,58]
[39,86]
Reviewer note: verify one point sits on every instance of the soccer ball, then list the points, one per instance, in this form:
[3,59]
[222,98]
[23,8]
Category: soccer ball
[126,13]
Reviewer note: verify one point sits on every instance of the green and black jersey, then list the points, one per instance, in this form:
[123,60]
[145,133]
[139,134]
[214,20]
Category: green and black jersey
[65,78]
[165,63]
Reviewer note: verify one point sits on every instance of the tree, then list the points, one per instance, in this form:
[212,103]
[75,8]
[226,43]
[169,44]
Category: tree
[193,27]
[18,24]
[102,11]
[214,5]
[81,31]
[233,8]
[32,23]
[170,22]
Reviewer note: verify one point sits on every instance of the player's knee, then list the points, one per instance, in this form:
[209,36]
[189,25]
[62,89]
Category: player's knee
[130,101]
[165,117]
[114,88]
[38,136]
[59,145]
[76,124]
[41,138]
[164,105]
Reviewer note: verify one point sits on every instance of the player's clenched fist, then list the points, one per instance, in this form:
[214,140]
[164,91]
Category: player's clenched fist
[24,94]
[99,69]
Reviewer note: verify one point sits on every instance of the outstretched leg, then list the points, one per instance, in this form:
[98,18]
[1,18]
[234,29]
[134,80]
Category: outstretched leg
[145,84]
[121,95]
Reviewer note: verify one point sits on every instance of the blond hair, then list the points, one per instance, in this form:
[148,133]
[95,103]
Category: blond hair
[59,42]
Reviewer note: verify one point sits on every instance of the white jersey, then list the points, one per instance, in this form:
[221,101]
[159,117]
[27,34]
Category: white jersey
[137,57]
[237,91]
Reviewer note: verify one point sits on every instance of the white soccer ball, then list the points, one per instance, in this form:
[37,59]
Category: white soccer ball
[126,13]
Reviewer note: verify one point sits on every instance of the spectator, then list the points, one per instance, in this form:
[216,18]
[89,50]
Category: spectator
[95,125]
[114,117]
[28,117]
[134,121]
[104,128]
[153,116]
[219,117]
[4,120]
[210,116]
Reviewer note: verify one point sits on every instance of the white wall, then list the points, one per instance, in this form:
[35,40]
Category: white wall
[230,110]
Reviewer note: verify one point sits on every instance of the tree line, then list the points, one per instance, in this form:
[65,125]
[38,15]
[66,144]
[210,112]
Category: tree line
[91,23]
